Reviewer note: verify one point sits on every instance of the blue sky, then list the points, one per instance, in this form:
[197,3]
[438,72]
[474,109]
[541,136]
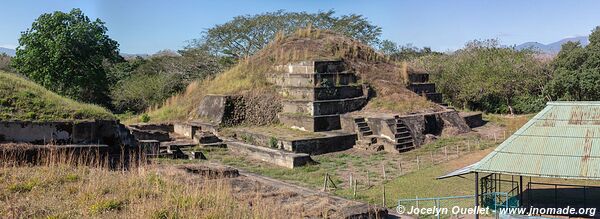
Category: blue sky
[146,26]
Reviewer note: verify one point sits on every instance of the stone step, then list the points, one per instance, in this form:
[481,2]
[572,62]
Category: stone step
[418,78]
[321,93]
[359,119]
[214,145]
[313,80]
[402,129]
[366,133]
[315,66]
[324,107]
[206,138]
[310,123]
[402,134]
[364,129]
[362,124]
[434,97]
[404,141]
[421,88]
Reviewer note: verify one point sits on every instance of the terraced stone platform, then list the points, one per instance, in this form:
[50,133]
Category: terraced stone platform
[316,93]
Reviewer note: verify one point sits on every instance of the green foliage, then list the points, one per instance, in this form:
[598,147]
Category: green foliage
[65,52]
[106,206]
[406,52]
[142,83]
[5,61]
[23,187]
[245,35]
[576,75]
[25,100]
[485,76]
[145,118]
[273,142]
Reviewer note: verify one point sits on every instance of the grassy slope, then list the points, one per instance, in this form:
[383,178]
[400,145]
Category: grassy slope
[24,100]
[251,74]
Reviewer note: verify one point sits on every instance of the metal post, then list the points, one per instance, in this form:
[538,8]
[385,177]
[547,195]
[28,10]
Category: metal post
[521,191]
[383,201]
[476,195]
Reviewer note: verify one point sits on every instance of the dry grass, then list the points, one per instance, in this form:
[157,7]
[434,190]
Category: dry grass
[386,77]
[64,188]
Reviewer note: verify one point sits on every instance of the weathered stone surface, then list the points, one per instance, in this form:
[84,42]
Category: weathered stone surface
[166,127]
[106,132]
[269,155]
[310,123]
[474,119]
[157,135]
[213,108]
[211,172]
[420,88]
[150,147]
[321,93]
[324,107]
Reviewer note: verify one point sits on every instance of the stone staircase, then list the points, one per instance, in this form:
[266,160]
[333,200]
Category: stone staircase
[403,139]
[366,139]
[419,83]
[316,93]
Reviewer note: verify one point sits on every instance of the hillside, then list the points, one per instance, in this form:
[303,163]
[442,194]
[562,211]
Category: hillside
[249,77]
[552,48]
[24,100]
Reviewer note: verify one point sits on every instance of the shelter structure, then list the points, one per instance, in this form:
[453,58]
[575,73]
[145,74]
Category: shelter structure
[562,142]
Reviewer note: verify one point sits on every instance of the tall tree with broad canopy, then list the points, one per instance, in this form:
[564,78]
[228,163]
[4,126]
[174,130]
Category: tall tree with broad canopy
[245,35]
[66,53]
[577,71]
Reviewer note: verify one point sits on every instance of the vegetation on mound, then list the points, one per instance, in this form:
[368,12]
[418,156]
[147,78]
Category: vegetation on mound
[386,77]
[25,100]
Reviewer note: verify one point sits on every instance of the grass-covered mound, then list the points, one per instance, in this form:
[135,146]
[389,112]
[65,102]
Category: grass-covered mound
[249,76]
[21,99]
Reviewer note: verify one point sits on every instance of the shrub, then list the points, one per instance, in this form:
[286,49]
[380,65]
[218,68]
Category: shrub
[106,205]
[145,118]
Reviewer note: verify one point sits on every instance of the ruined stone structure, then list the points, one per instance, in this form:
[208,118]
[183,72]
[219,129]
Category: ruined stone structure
[316,94]
[419,83]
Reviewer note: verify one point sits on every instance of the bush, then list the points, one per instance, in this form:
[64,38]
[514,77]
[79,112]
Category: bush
[486,76]
[145,118]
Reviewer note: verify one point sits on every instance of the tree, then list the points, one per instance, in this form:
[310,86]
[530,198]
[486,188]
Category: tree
[5,62]
[576,74]
[66,52]
[245,35]
[403,53]
[486,76]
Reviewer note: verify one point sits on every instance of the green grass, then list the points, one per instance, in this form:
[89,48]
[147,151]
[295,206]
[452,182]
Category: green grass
[25,100]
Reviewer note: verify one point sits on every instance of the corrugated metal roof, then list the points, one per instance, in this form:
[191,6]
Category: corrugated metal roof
[562,141]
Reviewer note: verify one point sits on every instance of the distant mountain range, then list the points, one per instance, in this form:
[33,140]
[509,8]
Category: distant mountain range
[553,48]
[10,52]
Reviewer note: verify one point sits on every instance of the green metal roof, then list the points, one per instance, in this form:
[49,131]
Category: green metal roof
[562,141]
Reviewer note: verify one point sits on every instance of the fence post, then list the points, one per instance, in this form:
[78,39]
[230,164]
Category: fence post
[368,180]
[350,181]
[468,146]
[446,152]
[325,182]
[432,160]
[383,169]
[418,165]
[457,152]
[383,201]
[400,165]
[354,193]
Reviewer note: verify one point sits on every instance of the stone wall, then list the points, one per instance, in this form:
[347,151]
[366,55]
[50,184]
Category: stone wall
[107,132]
[269,155]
